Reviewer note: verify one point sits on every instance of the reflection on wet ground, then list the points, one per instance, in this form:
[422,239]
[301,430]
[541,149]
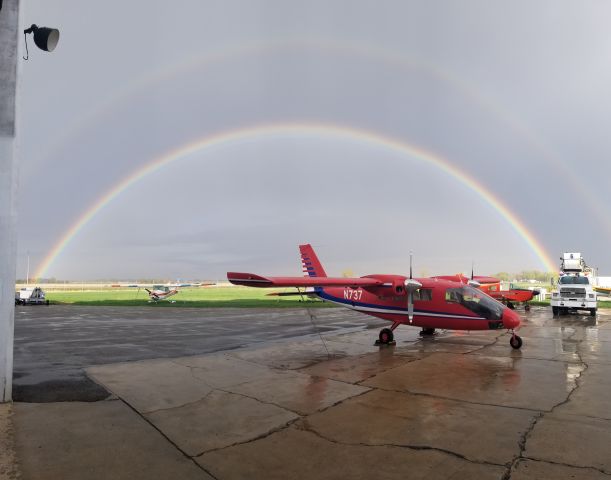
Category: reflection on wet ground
[455,405]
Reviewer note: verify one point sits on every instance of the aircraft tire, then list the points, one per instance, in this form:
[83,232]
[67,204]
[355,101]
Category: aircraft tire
[510,306]
[386,336]
[527,307]
[515,341]
[427,332]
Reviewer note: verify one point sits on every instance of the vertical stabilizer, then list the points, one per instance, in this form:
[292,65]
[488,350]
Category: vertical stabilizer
[310,263]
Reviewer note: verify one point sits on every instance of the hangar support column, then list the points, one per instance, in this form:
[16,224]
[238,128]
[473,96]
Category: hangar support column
[9,28]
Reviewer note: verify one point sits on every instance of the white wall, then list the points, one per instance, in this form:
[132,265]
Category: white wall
[9,23]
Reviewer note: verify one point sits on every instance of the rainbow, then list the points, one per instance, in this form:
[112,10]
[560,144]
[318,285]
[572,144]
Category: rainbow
[293,129]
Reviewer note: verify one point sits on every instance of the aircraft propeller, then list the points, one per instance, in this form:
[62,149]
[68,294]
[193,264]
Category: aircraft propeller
[411,286]
[473,282]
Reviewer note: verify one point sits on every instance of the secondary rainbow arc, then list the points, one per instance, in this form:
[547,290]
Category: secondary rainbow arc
[277,129]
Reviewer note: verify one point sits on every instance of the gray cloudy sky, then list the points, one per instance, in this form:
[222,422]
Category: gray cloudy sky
[515,94]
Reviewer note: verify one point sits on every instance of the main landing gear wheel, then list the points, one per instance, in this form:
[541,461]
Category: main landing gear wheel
[527,307]
[386,336]
[515,341]
[427,332]
[511,306]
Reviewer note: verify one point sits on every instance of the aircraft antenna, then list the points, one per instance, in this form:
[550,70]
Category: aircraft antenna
[411,254]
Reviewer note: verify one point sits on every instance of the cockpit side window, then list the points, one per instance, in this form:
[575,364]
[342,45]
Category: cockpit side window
[476,301]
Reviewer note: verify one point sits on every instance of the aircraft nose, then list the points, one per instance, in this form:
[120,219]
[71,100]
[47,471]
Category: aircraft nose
[510,318]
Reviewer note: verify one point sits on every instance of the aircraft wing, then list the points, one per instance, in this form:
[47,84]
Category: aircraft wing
[485,280]
[252,280]
[604,290]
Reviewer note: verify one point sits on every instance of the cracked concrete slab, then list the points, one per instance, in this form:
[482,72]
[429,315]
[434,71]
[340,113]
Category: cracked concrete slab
[401,419]
[299,455]
[573,440]
[219,420]
[594,351]
[151,384]
[533,470]
[99,440]
[295,355]
[544,348]
[431,345]
[224,370]
[592,398]
[357,369]
[510,382]
[299,392]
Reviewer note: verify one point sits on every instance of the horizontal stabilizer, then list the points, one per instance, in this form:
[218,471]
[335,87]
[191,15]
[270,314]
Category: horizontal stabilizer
[252,280]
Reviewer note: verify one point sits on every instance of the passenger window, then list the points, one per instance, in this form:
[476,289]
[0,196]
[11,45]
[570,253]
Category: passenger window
[423,294]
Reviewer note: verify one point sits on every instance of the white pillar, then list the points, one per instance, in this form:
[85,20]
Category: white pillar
[9,27]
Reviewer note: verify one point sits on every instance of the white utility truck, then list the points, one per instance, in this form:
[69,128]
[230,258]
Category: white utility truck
[31,296]
[575,290]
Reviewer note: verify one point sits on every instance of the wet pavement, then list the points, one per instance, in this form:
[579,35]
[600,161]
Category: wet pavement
[457,405]
[53,344]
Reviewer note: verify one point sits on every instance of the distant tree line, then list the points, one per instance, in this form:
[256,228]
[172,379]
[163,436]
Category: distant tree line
[527,275]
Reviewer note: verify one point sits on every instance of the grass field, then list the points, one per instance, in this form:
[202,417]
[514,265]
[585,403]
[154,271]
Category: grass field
[186,297]
[201,297]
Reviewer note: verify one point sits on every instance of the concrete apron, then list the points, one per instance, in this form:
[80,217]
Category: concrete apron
[457,405]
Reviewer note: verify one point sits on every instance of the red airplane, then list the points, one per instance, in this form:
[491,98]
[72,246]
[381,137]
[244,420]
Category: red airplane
[492,286]
[428,303]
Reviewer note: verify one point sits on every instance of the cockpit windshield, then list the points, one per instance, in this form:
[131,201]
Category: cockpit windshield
[573,279]
[476,301]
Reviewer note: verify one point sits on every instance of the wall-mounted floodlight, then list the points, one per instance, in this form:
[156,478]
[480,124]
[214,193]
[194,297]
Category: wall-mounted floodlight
[45,38]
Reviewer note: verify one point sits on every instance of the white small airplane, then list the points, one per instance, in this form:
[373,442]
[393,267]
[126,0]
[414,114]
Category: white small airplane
[163,292]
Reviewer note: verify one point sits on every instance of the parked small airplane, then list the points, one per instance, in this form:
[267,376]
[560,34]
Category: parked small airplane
[161,292]
[428,303]
[492,286]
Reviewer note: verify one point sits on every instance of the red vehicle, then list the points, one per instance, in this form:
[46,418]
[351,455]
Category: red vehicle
[428,303]
[492,286]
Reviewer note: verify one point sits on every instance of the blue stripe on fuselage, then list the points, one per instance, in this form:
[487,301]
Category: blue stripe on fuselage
[390,309]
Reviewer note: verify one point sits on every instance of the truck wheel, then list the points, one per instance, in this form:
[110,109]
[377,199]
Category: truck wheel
[592,312]
[555,311]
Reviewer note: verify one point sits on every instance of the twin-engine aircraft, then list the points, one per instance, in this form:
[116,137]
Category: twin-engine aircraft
[428,303]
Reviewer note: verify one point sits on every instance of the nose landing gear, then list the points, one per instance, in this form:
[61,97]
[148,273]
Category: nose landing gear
[515,341]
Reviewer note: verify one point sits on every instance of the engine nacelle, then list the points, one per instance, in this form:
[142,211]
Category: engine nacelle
[398,287]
